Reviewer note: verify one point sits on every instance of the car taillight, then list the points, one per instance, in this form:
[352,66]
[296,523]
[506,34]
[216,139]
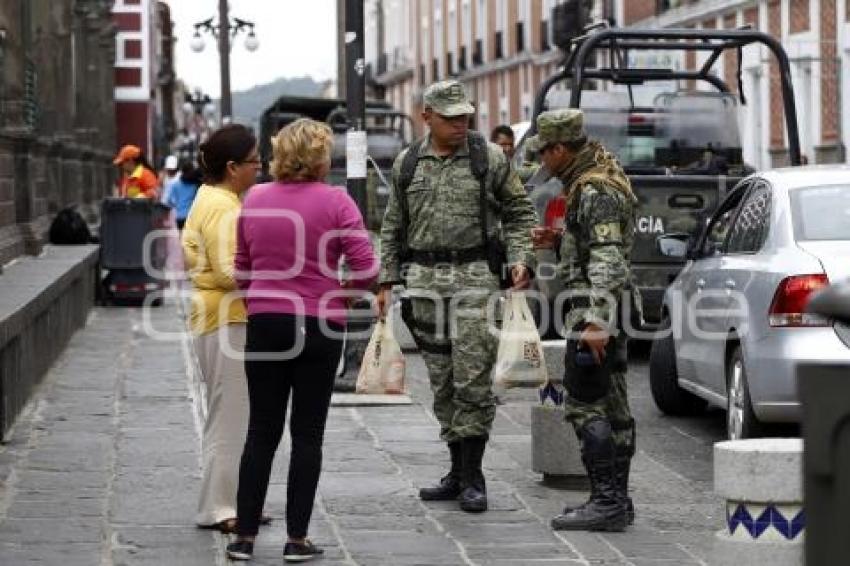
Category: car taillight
[790,300]
[555,212]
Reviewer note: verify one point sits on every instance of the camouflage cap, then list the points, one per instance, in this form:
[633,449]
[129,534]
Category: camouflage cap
[448,98]
[558,126]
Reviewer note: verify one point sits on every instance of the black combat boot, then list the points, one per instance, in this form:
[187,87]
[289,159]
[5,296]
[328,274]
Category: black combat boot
[450,485]
[605,510]
[473,497]
[622,464]
[621,468]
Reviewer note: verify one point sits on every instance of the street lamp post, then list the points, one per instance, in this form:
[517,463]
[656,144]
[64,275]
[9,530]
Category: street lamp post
[198,103]
[199,111]
[224,31]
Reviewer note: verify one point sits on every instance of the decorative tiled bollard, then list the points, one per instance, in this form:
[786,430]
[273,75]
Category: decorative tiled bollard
[555,451]
[761,480]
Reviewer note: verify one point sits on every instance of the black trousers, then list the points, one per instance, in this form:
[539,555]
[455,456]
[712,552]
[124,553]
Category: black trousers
[307,377]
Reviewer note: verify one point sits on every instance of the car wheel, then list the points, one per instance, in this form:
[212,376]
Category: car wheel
[741,421]
[664,379]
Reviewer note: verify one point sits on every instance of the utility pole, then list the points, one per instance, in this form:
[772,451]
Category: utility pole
[355,90]
[360,316]
[224,60]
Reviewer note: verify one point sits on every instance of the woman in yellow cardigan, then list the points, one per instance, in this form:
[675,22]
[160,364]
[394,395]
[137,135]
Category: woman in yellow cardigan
[230,163]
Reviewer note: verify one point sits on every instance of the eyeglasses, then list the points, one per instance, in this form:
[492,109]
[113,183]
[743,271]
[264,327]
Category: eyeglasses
[255,161]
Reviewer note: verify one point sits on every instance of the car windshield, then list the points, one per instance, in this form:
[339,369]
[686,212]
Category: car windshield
[821,213]
[652,129]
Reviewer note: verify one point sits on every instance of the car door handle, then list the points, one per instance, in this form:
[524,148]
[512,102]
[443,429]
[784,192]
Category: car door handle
[729,284]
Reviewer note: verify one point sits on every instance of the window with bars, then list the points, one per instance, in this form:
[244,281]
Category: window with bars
[520,37]
[478,53]
[544,36]
[750,229]
[31,109]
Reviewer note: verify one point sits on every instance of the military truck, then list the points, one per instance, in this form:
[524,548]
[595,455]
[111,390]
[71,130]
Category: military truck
[388,132]
[680,148]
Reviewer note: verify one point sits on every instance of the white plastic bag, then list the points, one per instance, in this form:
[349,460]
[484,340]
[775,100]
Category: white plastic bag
[519,361]
[382,370]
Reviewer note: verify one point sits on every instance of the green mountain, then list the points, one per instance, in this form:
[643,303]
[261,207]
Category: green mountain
[249,104]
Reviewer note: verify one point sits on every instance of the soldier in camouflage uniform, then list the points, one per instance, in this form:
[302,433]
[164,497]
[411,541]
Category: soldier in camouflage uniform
[594,264]
[438,253]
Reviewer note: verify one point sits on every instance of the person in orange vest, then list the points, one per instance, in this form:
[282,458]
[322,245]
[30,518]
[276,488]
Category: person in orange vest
[138,179]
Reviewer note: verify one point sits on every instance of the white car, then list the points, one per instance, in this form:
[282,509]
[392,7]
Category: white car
[735,325]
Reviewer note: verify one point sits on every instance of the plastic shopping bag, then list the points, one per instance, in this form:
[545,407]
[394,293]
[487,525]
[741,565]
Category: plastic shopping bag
[519,361]
[382,370]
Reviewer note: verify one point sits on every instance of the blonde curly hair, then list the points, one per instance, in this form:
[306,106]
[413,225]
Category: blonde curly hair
[300,150]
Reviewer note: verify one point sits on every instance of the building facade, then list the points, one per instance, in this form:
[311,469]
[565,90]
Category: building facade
[816,35]
[500,49]
[144,76]
[504,49]
[57,131]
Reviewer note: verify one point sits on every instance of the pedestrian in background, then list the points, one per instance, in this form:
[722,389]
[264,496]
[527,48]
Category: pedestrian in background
[169,175]
[217,319]
[183,192]
[300,226]
[433,225]
[138,179]
[503,136]
[595,251]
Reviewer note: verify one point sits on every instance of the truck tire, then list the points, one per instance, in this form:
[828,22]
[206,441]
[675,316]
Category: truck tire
[664,380]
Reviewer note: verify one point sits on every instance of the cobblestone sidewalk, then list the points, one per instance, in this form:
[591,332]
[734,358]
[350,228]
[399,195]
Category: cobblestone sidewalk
[102,470]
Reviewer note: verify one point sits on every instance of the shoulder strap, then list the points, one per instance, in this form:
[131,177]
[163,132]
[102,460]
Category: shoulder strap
[405,177]
[478,158]
[479,162]
[408,165]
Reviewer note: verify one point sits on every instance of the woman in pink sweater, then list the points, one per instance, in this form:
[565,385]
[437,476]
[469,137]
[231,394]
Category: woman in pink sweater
[291,235]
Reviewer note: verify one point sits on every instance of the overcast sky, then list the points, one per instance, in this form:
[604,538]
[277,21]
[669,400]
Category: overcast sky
[297,38]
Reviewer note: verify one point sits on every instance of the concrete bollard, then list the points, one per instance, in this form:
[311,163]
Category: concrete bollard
[761,480]
[555,450]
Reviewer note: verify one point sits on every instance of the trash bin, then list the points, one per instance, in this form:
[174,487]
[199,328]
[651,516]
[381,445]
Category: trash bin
[133,271]
[825,397]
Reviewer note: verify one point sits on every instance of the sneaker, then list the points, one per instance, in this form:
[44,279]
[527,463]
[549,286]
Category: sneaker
[240,550]
[298,552]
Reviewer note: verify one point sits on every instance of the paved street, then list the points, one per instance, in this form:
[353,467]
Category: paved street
[103,470]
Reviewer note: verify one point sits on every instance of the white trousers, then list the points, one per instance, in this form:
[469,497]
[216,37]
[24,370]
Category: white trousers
[223,376]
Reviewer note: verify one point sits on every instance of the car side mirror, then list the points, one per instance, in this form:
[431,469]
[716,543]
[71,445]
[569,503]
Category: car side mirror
[673,245]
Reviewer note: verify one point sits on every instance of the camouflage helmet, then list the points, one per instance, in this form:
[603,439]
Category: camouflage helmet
[448,98]
[558,126]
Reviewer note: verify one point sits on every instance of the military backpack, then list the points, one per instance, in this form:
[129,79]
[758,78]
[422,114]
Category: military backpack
[479,163]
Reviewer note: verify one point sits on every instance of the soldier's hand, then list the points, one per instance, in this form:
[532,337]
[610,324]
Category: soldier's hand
[544,237]
[383,300]
[595,338]
[520,277]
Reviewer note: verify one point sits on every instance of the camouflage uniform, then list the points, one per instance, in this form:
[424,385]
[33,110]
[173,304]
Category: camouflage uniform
[529,162]
[444,203]
[594,265]
[595,258]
